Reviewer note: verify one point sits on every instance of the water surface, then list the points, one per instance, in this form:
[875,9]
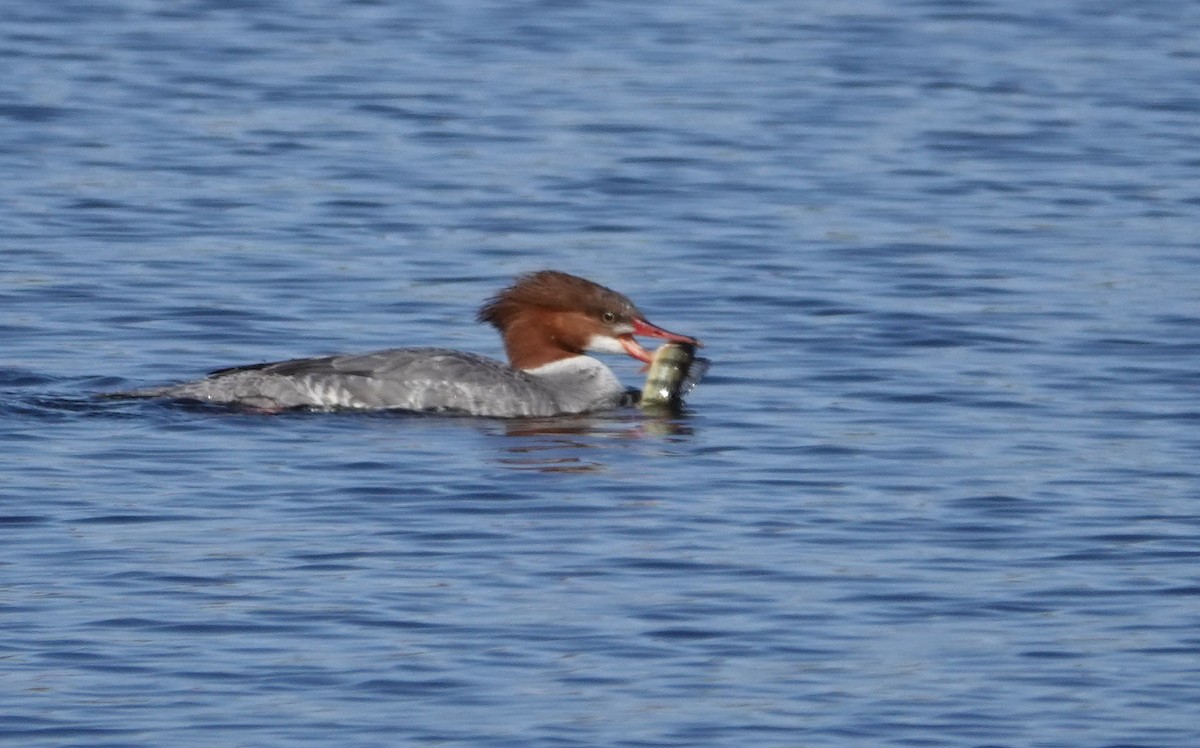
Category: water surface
[939,487]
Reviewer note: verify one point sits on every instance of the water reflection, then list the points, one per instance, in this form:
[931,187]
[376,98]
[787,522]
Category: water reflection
[579,444]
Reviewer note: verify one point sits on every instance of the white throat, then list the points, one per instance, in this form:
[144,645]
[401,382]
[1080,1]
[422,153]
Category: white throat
[604,344]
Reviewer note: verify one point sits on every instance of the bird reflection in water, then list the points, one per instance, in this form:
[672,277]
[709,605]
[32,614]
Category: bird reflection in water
[568,445]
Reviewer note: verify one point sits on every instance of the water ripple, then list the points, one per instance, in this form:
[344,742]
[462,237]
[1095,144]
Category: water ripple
[937,489]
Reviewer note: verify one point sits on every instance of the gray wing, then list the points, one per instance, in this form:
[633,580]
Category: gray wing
[378,363]
[403,378]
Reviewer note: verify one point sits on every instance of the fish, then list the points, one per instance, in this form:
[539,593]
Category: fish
[674,371]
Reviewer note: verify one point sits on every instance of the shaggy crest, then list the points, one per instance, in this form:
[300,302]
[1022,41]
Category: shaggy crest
[552,290]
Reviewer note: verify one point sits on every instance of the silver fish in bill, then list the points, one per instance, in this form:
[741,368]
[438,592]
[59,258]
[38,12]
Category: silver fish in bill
[674,371]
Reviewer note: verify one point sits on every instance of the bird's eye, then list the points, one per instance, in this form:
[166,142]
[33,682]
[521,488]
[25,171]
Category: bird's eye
[608,317]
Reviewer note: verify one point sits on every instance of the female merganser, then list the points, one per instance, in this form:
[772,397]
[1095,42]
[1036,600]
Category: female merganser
[547,319]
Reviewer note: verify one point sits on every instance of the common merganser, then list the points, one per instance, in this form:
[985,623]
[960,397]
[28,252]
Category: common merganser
[547,320]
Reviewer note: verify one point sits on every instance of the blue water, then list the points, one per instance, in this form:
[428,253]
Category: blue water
[940,487]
